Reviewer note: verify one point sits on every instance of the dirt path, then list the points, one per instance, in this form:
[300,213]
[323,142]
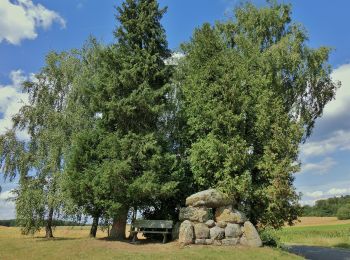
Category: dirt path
[320,253]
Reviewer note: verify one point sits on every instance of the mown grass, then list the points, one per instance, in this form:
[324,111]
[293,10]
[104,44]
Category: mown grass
[322,235]
[72,243]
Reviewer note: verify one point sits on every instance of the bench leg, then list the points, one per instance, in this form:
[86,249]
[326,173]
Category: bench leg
[164,238]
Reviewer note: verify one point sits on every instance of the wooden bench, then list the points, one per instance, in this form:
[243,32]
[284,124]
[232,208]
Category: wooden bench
[151,227]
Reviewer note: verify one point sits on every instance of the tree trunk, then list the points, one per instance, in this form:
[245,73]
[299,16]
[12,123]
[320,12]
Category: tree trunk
[119,225]
[94,226]
[49,233]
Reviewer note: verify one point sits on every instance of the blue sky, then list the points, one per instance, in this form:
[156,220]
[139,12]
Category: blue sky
[29,29]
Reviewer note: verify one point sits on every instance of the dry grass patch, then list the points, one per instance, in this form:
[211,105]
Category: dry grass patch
[320,221]
[72,243]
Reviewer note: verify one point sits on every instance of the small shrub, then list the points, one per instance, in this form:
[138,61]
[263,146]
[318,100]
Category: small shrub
[344,212]
[270,237]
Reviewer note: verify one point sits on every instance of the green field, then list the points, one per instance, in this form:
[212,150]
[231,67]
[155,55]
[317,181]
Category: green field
[72,243]
[333,235]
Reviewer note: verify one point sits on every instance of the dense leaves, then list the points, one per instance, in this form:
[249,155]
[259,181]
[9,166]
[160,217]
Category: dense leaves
[327,207]
[251,92]
[118,128]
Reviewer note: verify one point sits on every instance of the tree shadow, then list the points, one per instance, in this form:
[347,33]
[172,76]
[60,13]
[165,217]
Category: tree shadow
[44,239]
[343,245]
[147,241]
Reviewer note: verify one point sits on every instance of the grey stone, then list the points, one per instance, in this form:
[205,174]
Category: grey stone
[186,234]
[200,241]
[230,241]
[210,223]
[194,214]
[208,198]
[217,242]
[221,224]
[217,233]
[233,230]
[209,241]
[230,215]
[201,231]
[250,236]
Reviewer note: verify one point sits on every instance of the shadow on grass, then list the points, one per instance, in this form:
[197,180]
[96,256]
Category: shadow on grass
[343,245]
[138,242]
[44,239]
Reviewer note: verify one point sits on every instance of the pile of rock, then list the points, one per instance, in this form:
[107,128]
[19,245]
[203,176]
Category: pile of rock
[228,226]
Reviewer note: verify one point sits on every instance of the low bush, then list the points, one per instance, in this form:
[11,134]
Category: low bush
[270,237]
[344,212]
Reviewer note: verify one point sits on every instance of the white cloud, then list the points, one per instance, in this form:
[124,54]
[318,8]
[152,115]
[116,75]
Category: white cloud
[21,18]
[341,104]
[336,191]
[6,195]
[339,140]
[321,167]
[7,207]
[174,59]
[11,100]
[315,194]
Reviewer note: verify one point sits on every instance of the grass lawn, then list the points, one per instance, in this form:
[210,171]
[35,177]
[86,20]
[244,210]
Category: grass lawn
[328,232]
[72,243]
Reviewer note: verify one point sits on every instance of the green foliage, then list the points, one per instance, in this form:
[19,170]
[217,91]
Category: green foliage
[123,156]
[113,127]
[270,237]
[251,90]
[327,207]
[344,212]
[39,160]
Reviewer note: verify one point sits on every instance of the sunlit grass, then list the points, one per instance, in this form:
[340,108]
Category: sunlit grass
[323,235]
[73,243]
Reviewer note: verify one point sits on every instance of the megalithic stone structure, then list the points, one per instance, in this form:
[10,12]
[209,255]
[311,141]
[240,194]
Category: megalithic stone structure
[229,227]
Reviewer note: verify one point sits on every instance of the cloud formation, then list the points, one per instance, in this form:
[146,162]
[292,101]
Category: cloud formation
[20,20]
[11,100]
[321,167]
[7,206]
[313,196]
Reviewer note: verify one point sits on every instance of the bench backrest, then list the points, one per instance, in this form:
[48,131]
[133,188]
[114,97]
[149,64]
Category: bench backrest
[153,224]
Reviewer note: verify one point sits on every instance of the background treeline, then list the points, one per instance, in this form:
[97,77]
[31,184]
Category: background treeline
[332,207]
[56,222]
[125,128]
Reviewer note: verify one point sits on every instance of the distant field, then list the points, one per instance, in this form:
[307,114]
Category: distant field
[72,243]
[320,221]
[318,231]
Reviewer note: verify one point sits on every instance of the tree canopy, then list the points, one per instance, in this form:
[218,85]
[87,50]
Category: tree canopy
[252,90]
[117,128]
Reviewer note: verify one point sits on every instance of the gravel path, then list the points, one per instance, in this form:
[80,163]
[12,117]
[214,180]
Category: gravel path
[320,253]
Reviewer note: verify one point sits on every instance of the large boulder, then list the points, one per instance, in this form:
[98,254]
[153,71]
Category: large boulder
[217,233]
[208,198]
[230,241]
[233,230]
[250,236]
[200,241]
[210,223]
[230,215]
[201,231]
[194,214]
[186,234]
[221,224]
[209,241]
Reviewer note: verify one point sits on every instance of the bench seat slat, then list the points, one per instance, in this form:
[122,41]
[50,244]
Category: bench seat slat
[153,224]
[151,231]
